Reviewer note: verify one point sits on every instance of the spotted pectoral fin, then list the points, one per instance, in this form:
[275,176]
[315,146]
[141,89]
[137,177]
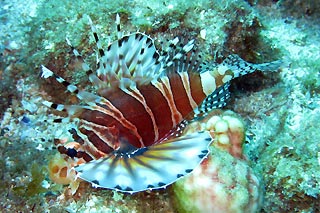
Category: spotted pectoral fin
[150,167]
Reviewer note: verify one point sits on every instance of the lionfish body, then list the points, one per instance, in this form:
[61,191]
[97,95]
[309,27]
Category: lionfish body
[131,129]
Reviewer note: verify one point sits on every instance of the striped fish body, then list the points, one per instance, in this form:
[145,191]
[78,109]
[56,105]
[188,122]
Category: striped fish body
[130,131]
[150,111]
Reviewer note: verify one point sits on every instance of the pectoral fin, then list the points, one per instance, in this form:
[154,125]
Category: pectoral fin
[146,168]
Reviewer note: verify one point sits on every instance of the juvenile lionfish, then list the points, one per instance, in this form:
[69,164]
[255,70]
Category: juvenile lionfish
[130,130]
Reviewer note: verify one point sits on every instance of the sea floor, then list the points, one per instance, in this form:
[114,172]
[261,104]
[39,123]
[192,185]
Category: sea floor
[281,111]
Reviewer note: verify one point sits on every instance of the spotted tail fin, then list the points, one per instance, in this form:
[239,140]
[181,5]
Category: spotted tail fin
[146,168]
[240,67]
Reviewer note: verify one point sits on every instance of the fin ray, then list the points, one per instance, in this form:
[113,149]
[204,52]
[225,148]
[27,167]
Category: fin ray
[215,100]
[150,167]
[240,67]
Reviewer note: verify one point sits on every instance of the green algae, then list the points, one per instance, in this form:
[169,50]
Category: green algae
[34,187]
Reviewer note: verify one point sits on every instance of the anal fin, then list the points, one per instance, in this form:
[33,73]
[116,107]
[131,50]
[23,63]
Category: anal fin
[146,168]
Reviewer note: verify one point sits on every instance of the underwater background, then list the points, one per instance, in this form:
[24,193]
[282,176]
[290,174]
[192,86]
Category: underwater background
[280,110]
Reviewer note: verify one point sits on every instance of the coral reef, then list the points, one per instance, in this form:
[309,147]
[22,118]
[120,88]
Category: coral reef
[61,172]
[226,128]
[287,144]
[224,182]
[281,121]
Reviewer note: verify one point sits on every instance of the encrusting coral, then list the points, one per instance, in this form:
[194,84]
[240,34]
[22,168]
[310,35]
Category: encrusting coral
[226,128]
[61,172]
[224,182]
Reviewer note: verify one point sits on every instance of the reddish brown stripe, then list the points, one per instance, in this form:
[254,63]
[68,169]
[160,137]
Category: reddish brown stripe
[80,154]
[113,129]
[196,88]
[135,113]
[179,93]
[159,107]
[96,141]
[84,155]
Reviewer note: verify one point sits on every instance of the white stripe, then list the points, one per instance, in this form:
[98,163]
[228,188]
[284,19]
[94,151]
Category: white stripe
[222,69]
[176,116]
[186,84]
[208,83]
[88,147]
[46,73]
[226,78]
[118,116]
[71,88]
[95,128]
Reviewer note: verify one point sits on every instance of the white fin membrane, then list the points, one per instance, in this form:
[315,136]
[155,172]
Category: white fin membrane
[146,168]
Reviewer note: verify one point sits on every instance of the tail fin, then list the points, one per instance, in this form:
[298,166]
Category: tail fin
[240,67]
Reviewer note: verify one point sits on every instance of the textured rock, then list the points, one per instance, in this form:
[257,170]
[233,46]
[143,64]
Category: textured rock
[222,184]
